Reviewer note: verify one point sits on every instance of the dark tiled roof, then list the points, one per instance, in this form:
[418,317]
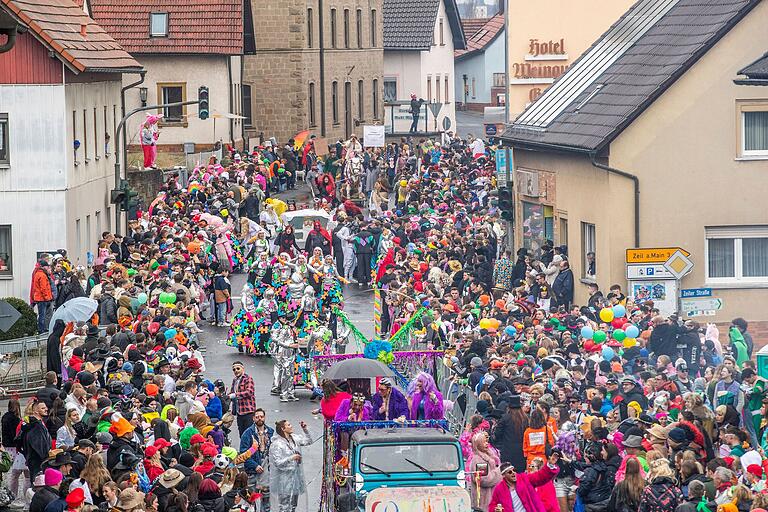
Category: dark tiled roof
[410,24]
[587,107]
[213,27]
[483,36]
[758,69]
[77,39]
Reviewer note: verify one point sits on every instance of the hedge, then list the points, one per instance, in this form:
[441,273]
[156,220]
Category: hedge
[24,326]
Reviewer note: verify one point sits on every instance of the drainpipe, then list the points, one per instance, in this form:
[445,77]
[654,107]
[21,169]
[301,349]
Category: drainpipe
[231,103]
[321,33]
[635,181]
[118,213]
[10,32]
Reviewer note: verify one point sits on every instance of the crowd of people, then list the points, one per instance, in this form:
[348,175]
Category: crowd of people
[606,406]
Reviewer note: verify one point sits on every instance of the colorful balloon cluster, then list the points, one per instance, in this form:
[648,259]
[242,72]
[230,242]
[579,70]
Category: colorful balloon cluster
[167,299]
[623,331]
[489,324]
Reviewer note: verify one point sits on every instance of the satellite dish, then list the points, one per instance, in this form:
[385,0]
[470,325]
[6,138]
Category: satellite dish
[446,123]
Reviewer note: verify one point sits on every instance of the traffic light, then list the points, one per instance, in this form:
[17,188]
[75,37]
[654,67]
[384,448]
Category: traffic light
[506,204]
[125,196]
[202,102]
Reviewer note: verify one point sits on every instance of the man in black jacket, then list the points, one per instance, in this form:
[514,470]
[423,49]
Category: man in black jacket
[36,440]
[107,305]
[415,111]
[562,288]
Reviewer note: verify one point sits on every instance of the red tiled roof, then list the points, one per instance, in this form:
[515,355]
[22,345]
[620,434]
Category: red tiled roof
[194,26]
[483,36]
[60,24]
[472,25]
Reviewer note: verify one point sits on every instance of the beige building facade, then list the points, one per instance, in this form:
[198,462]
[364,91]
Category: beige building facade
[548,36]
[697,152]
[314,70]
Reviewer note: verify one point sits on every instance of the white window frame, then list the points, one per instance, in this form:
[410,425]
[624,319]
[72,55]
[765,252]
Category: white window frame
[744,151]
[586,247]
[738,234]
[152,32]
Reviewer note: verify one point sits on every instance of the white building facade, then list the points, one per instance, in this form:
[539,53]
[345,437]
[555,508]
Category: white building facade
[57,119]
[420,60]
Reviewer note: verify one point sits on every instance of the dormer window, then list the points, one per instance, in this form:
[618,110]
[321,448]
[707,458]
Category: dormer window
[158,24]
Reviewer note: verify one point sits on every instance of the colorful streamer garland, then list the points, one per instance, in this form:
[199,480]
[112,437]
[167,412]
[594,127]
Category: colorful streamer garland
[359,336]
[403,335]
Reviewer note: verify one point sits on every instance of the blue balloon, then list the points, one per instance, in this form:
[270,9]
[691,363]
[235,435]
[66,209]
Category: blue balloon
[510,330]
[619,311]
[632,331]
[607,353]
[170,333]
[587,332]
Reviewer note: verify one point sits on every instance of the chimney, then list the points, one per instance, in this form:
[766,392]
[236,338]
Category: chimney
[84,30]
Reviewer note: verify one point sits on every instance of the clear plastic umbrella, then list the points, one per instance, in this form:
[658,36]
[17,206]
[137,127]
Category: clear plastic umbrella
[79,309]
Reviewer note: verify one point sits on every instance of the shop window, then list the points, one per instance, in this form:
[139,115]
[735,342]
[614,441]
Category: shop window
[563,234]
[737,254]
[6,251]
[588,244]
[390,90]
[5,151]
[534,227]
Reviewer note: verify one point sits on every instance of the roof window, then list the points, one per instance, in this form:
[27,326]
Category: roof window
[158,24]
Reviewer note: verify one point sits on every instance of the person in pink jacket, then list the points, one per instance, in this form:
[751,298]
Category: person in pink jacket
[545,491]
[517,491]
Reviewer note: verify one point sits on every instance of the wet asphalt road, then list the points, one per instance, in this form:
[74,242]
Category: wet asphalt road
[358,304]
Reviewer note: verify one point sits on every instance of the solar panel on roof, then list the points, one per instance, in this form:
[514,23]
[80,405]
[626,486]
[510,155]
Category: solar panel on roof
[615,43]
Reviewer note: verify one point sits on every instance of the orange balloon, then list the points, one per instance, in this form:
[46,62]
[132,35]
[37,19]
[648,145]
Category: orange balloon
[484,300]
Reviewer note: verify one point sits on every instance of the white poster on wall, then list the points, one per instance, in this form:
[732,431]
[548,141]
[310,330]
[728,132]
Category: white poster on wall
[373,136]
[662,292]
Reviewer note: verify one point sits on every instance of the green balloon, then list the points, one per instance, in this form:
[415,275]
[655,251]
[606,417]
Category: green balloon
[619,335]
[172,298]
[599,336]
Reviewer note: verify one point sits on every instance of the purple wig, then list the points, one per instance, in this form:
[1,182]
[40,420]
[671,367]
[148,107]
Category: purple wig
[427,384]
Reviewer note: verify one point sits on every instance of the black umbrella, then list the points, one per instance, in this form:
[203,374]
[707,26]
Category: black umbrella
[358,368]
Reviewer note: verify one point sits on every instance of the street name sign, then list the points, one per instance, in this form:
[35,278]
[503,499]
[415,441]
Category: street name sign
[696,292]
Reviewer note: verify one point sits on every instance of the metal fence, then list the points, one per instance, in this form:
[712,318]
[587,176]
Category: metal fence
[23,363]
[463,398]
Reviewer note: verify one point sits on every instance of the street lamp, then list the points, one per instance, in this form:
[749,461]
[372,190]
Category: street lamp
[143,96]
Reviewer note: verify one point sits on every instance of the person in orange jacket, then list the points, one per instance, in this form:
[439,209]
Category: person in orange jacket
[537,437]
[41,294]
